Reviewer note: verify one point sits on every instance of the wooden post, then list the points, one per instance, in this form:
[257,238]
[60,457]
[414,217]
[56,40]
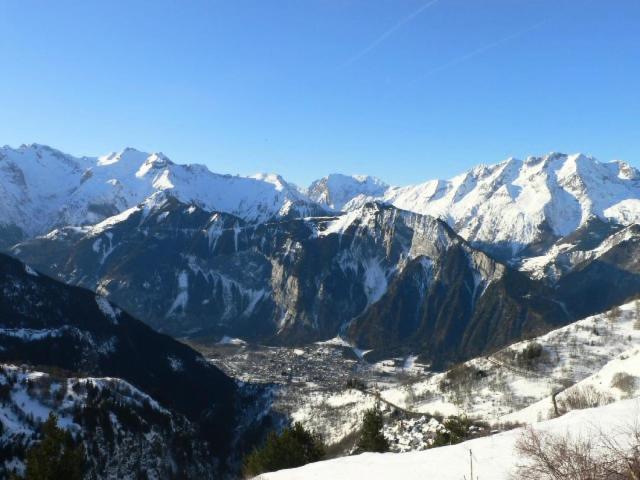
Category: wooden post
[554,394]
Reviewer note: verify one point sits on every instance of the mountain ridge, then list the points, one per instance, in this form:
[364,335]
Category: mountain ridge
[512,208]
[298,280]
[513,205]
[45,188]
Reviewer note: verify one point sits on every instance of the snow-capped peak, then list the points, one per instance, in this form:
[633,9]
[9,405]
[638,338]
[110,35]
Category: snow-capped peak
[515,203]
[128,155]
[336,190]
[276,180]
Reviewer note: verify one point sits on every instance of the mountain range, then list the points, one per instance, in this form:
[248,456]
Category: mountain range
[444,269]
[514,205]
[520,207]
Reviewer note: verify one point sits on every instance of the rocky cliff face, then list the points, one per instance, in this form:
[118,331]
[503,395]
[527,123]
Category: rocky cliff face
[390,279]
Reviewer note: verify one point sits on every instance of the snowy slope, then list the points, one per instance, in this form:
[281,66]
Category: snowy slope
[601,386]
[507,390]
[517,203]
[567,254]
[494,456]
[43,188]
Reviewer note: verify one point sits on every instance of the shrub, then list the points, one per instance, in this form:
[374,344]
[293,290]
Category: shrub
[356,384]
[460,376]
[552,457]
[614,314]
[530,355]
[294,447]
[624,382]
[636,323]
[584,397]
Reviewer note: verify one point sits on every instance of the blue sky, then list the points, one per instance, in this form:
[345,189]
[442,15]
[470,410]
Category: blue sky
[403,89]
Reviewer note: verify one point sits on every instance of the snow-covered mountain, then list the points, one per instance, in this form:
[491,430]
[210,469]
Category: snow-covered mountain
[257,256]
[336,190]
[517,205]
[514,208]
[43,188]
[371,270]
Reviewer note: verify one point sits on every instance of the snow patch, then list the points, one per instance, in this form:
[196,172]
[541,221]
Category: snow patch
[109,310]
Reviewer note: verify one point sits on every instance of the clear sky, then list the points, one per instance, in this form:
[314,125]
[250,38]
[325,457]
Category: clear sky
[406,90]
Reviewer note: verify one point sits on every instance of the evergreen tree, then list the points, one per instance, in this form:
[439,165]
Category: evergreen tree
[56,456]
[371,437]
[294,447]
[456,430]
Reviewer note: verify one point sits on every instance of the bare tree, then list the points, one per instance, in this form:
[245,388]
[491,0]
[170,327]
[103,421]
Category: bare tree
[581,397]
[562,457]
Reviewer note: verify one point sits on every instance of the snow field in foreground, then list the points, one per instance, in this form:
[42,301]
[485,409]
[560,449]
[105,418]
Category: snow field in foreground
[494,456]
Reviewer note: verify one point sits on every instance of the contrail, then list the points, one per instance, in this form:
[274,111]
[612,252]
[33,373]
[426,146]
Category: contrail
[484,48]
[389,32]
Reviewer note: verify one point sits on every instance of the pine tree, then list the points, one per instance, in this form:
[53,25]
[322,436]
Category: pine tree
[371,437]
[294,447]
[456,430]
[56,456]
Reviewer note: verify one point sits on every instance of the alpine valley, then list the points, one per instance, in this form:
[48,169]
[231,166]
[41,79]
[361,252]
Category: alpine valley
[171,316]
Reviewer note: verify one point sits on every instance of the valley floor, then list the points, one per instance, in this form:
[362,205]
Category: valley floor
[328,386]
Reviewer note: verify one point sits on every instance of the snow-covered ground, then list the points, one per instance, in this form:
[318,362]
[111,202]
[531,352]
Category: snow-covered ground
[497,387]
[494,456]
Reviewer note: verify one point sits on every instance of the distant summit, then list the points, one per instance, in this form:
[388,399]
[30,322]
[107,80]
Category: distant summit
[336,190]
